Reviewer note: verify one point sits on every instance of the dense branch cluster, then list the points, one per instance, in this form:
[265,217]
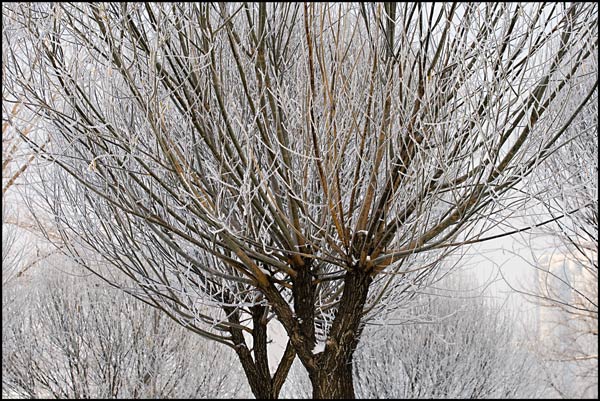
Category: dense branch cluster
[299,162]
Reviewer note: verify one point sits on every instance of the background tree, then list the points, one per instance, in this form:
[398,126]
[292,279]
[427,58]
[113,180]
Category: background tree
[71,337]
[306,163]
[17,157]
[566,272]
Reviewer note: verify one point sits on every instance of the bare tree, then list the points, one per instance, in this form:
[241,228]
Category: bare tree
[17,225]
[566,275]
[305,163]
[448,345]
[74,338]
[13,166]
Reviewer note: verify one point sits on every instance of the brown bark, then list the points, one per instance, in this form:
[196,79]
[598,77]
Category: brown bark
[335,384]
[255,363]
[332,376]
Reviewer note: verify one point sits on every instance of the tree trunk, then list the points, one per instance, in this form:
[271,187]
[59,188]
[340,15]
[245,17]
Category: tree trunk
[261,389]
[264,386]
[255,363]
[332,378]
[334,384]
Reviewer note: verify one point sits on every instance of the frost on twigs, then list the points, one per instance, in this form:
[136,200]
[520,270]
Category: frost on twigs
[276,147]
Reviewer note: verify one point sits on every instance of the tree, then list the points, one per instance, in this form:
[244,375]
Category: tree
[16,159]
[448,346]
[566,278]
[305,163]
[75,338]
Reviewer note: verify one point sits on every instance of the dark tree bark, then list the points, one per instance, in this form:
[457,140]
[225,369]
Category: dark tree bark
[255,363]
[332,376]
[335,384]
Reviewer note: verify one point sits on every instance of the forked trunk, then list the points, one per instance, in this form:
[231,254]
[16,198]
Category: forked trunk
[261,389]
[255,363]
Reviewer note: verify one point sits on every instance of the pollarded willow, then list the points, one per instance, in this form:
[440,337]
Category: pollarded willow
[304,163]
